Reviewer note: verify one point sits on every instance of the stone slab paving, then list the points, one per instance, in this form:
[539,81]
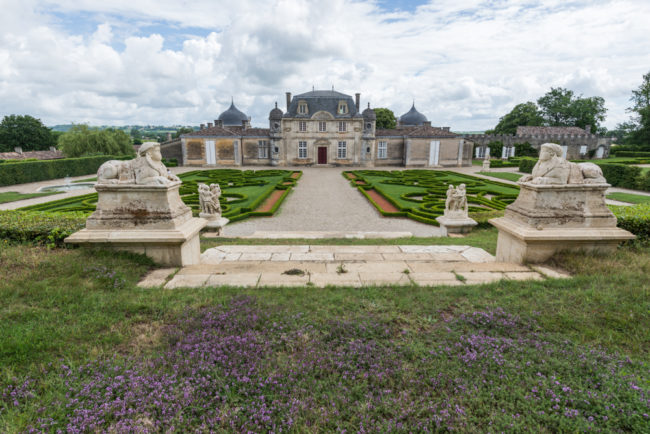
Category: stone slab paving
[320,266]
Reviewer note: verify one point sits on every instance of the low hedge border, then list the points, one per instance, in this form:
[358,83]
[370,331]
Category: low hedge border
[44,228]
[43,170]
[635,219]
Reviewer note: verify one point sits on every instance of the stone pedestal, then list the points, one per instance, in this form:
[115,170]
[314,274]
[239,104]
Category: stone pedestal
[546,219]
[451,225]
[215,223]
[149,219]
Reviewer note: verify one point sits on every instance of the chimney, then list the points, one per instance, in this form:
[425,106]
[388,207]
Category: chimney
[202,126]
[288,100]
[426,124]
[18,149]
[588,129]
[169,137]
[445,128]
[357,100]
[209,124]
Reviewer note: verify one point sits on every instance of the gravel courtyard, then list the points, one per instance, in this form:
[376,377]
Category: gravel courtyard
[324,201]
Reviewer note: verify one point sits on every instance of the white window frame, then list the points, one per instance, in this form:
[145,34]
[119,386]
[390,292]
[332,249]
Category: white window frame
[342,150]
[583,149]
[302,126]
[343,126]
[262,149]
[382,150]
[302,149]
[302,108]
[322,126]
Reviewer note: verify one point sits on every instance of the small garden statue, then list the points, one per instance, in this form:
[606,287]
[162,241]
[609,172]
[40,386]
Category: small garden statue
[486,164]
[456,217]
[456,203]
[211,207]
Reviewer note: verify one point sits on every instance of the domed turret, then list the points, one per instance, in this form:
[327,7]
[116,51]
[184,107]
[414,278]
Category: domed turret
[232,117]
[412,118]
[276,113]
[369,114]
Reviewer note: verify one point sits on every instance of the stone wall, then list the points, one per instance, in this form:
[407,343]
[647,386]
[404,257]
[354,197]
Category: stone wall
[573,142]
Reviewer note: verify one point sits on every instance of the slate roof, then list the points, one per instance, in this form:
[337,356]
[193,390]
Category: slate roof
[529,131]
[322,100]
[423,131]
[232,116]
[229,132]
[41,155]
[412,117]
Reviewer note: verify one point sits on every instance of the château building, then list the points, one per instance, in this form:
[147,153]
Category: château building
[323,128]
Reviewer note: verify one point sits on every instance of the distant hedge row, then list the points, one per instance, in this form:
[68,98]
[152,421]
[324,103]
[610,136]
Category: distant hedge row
[39,227]
[616,174]
[633,154]
[42,170]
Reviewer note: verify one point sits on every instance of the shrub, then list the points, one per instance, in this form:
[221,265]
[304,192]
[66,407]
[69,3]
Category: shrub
[172,162]
[525,150]
[42,170]
[39,227]
[620,175]
[635,219]
[526,165]
[503,163]
[633,154]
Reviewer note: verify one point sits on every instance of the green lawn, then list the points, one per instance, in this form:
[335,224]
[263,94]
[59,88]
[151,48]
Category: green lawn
[514,177]
[629,197]
[421,194]
[12,196]
[84,348]
[242,192]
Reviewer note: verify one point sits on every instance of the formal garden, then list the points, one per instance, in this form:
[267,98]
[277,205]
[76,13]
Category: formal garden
[244,193]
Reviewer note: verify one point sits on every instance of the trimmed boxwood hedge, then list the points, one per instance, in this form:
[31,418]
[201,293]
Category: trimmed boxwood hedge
[42,170]
[635,219]
[39,227]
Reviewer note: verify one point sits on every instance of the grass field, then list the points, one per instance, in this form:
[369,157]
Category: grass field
[12,196]
[421,194]
[242,192]
[84,349]
[629,197]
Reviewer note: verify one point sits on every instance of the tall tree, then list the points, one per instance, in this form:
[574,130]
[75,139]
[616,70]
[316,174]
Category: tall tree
[526,114]
[385,118]
[561,108]
[182,130]
[25,131]
[640,135]
[83,141]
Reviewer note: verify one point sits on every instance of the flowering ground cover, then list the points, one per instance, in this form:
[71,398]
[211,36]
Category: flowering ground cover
[421,194]
[243,191]
[84,350]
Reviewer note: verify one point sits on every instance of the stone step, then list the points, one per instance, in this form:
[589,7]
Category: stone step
[352,266]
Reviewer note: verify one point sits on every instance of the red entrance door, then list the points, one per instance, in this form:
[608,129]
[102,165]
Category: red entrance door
[322,155]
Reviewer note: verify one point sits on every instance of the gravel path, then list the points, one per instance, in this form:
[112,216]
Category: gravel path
[324,201]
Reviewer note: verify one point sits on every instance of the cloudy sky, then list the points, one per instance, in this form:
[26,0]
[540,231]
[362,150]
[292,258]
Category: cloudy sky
[465,63]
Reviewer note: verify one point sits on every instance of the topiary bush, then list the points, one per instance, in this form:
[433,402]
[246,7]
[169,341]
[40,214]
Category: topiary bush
[526,165]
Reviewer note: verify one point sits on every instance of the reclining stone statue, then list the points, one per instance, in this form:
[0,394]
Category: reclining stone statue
[146,169]
[553,169]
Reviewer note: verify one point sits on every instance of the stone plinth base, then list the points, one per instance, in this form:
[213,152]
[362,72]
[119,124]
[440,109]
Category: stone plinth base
[215,223]
[521,243]
[175,247]
[130,206]
[455,225]
[562,206]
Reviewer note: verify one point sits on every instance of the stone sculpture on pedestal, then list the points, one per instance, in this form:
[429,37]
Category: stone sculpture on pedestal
[456,217]
[561,206]
[139,209]
[486,165]
[211,207]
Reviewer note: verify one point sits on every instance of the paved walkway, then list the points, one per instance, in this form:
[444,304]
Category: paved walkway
[324,201]
[320,266]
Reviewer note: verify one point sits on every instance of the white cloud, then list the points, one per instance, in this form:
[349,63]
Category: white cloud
[465,63]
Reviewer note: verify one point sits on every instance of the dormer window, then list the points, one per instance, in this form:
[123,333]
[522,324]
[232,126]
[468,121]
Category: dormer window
[302,108]
[343,108]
